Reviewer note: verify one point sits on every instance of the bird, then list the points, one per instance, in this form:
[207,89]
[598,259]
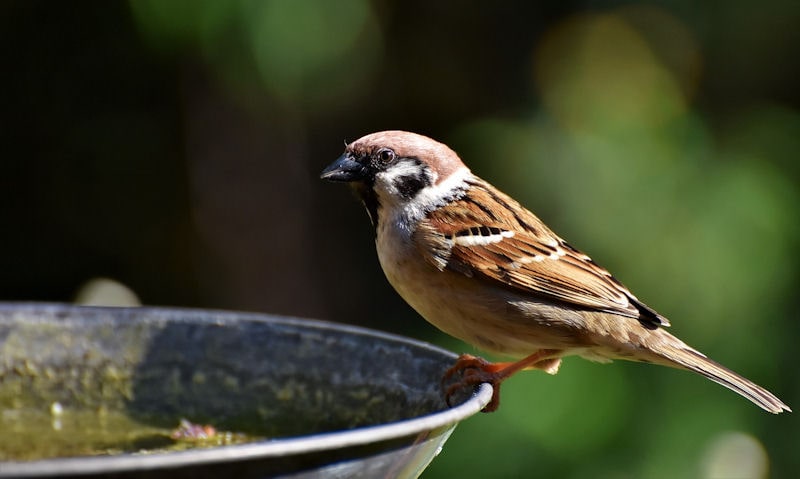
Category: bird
[481,267]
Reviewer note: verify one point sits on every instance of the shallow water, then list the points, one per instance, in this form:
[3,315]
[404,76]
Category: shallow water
[32,434]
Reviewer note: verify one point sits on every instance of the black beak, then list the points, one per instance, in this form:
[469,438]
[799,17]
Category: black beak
[344,169]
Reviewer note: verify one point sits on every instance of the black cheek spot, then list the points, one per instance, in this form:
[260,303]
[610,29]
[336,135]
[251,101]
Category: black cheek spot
[409,186]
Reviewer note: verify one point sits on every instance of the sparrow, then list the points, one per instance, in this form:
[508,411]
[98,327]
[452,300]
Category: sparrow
[479,266]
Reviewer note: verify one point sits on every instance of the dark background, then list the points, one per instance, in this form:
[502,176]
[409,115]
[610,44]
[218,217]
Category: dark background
[175,147]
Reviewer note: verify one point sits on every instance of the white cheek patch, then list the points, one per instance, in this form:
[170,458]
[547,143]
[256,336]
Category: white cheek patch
[388,178]
[436,194]
[407,211]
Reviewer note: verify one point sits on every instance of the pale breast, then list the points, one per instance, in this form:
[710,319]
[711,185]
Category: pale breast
[469,309]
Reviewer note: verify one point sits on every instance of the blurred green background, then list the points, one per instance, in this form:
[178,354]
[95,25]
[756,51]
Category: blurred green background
[175,147]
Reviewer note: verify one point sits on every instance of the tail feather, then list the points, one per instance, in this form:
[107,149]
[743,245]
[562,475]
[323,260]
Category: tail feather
[685,357]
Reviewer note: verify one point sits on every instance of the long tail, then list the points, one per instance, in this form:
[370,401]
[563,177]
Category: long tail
[682,356]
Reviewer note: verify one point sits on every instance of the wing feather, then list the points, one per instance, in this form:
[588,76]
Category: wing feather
[509,245]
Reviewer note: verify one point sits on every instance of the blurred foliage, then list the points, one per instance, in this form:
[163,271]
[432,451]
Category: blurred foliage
[310,52]
[174,146]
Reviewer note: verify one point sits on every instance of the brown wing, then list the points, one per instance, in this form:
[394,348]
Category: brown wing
[489,235]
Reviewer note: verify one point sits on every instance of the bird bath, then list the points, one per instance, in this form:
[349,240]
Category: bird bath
[99,392]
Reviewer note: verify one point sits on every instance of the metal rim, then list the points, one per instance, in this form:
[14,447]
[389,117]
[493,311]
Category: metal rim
[264,449]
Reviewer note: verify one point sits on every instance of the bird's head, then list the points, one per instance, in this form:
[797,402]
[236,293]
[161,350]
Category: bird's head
[396,170]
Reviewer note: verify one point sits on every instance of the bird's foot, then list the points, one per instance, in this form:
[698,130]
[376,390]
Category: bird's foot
[471,371]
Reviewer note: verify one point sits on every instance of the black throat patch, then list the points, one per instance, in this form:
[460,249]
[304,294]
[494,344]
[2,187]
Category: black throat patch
[369,198]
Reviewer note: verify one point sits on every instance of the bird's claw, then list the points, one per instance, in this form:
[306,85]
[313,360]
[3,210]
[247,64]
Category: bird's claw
[471,371]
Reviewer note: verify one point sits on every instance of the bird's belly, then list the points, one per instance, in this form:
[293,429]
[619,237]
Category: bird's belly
[489,317]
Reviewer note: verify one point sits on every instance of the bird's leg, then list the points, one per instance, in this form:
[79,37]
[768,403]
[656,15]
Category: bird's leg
[474,370]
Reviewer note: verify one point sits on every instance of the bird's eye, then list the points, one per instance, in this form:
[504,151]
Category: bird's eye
[386,155]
